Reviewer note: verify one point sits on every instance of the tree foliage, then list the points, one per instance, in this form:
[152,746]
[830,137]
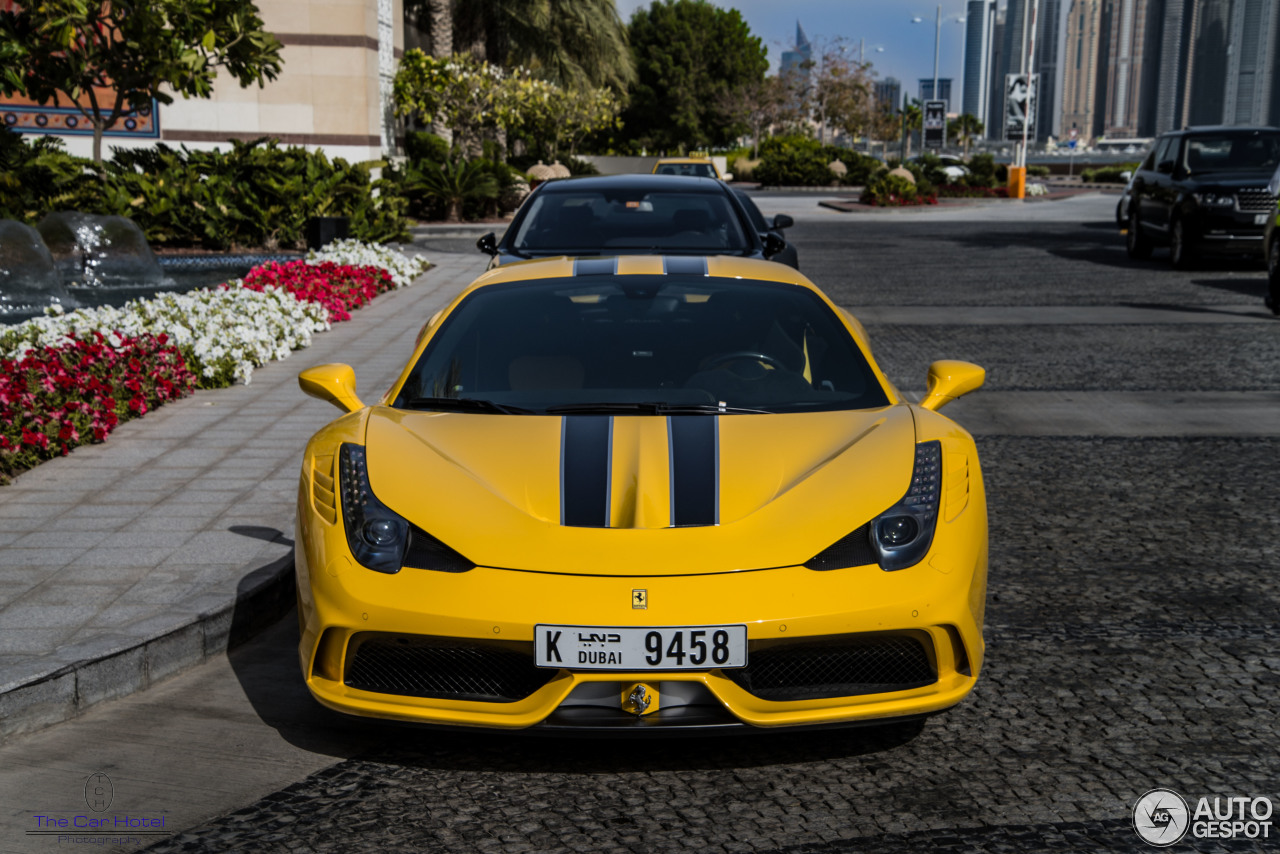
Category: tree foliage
[689,54]
[556,117]
[576,44]
[66,49]
[466,94]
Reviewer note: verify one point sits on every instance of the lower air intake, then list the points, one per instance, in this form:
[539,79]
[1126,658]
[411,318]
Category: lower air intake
[442,668]
[836,667]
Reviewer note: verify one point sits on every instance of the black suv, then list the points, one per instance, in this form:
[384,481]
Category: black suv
[1204,190]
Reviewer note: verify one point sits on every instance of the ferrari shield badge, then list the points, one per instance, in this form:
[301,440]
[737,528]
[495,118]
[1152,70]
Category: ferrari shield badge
[639,599]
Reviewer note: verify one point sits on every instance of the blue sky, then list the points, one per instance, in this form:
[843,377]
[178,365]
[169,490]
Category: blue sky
[907,48]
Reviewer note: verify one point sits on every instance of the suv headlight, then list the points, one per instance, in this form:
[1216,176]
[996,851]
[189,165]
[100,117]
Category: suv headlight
[376,535]
[1216,200]
[901,535]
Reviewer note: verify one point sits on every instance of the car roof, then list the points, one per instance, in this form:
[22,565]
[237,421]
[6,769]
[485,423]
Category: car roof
[637,181]
[714,266]
[1220,129]
[684,159]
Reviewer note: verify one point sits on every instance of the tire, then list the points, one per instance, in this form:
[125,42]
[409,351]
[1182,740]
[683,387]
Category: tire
[1273,274]
[1181,254]
[1137,244]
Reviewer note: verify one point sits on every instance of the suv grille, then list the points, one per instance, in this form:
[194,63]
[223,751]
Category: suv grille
[1255,201]
[444,668]
[846,666]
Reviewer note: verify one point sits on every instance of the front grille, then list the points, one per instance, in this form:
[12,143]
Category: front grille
[846,666]
[443,668]
[1255,201]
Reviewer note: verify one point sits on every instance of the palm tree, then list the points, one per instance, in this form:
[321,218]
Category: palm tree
[569,42]
[914,117]
[965,128]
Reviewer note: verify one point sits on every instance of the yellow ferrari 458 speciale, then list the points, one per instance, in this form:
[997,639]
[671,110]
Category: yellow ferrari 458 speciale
[653,492]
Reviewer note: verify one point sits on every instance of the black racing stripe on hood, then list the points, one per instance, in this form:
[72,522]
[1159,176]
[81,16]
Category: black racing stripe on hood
[586,446]
[695,469]
[595,266]
[684,265]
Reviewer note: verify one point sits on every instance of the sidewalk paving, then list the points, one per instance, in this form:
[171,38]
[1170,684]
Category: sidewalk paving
[128,561]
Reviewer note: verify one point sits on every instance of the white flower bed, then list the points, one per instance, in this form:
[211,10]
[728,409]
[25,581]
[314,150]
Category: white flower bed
[403,268]
[224,334]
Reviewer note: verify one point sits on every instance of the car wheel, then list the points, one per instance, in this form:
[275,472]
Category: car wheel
[1137,243]
[1180,252]
[1273,275]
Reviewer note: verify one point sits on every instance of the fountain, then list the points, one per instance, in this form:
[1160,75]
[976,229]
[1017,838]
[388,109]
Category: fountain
[94,251]
[29,279]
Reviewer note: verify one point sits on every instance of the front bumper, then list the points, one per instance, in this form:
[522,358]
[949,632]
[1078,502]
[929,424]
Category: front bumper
[937,604]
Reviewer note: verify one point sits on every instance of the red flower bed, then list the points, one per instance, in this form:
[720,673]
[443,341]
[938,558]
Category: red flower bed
[337,287]
[959,191]
[56,398]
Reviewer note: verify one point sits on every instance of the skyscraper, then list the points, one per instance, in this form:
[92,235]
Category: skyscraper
[944,90]
[980,25]
[889,92]
[1129,51]
[1208,72]
[795,61]
[1251,66]
[1080,69]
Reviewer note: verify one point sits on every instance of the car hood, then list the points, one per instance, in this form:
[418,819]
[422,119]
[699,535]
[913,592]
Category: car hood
[1231,180]
[598,495]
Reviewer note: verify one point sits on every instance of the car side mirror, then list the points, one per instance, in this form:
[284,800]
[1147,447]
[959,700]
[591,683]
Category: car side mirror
[949,379]
[1165,167]
[333,383]
[773,244]
[488,244]
[781,221]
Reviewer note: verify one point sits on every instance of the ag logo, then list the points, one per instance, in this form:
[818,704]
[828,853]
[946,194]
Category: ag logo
[1161,817]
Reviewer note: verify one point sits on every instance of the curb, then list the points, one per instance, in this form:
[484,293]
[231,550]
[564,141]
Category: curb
[263,595]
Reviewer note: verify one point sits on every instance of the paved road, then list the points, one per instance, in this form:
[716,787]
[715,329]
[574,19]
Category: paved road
[1129,443]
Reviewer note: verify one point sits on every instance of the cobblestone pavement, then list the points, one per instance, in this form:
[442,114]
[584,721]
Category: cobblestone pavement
[1133,616]
[1132,621]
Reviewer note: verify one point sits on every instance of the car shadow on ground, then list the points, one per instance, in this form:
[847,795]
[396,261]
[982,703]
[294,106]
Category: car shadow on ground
[266,667]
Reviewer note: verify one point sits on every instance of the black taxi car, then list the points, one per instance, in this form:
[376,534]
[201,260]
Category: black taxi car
[1203,190]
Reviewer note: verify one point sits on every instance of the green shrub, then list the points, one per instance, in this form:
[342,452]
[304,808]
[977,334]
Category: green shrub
[1113,174]
[982,170]
[1037,171]
[792,161]
[421,146]
[255,195]
[894,191]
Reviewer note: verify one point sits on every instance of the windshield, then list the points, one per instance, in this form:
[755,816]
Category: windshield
[592,220]
[1250,151]
[642,344]
[697,170]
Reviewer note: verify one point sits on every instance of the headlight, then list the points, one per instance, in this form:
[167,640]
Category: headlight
[901,535]
[375,534]
[1216,200]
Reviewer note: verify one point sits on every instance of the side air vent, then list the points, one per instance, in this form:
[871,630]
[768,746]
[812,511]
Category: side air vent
[323,497]
[426,552]
[851,550]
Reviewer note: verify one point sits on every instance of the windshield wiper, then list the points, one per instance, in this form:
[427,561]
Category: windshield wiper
[465,404]
[649,408]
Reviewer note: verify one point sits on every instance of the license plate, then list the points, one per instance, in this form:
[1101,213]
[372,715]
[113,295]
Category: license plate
[1261,219]
[630,648]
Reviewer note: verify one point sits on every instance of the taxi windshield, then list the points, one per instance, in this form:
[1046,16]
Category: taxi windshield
[645,345]
[594,220]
